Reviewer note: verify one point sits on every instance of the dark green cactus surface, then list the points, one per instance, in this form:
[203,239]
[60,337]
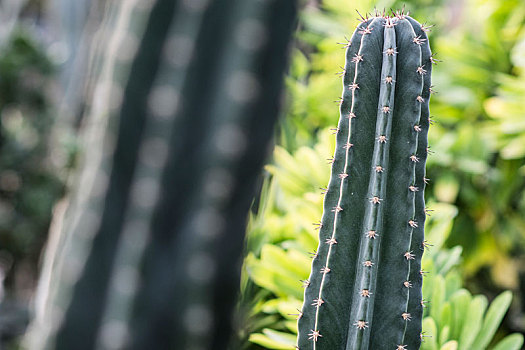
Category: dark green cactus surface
[149,251]
[364,291]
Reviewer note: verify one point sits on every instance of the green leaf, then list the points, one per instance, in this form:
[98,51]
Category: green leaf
[493,318]
[451,345]
[510,342]
[431,333]
[473,321]
[460,303]
[444,334]
[438,298]
[274,340]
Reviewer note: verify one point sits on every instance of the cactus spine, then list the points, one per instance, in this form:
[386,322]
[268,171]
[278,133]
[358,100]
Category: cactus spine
[364,291]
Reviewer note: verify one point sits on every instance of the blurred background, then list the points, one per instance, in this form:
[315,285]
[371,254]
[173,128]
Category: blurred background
[477,170]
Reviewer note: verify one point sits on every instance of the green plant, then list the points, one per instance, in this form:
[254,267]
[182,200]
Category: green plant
[364,290]
[147,254]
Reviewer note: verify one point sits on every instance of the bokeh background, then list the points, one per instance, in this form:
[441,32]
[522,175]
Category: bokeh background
[477,170]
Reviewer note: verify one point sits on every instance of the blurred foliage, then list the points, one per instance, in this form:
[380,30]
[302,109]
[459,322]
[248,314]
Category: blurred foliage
[477,171]
[29,184]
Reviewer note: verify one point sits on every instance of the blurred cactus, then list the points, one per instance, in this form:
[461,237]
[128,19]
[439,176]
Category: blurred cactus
[364,291]
[148,253]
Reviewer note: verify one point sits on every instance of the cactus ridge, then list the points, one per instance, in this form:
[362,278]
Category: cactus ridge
[364,291]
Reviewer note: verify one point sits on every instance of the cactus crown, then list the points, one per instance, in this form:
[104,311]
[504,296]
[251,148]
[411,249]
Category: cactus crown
[364,291]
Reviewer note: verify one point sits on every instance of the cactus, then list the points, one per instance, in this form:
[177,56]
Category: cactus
[148,253]
[364,290]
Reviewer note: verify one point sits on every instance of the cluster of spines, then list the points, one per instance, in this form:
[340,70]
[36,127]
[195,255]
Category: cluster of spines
[372,234]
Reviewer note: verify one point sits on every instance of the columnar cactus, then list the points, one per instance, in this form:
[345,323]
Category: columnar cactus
[364,291]
[149,251]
